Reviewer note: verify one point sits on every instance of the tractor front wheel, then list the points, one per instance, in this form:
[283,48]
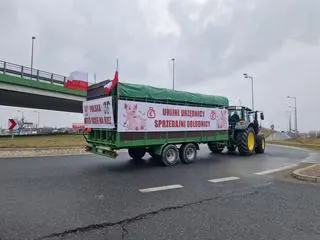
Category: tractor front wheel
[261,144]
[246,141]
[215,147]
[231,149]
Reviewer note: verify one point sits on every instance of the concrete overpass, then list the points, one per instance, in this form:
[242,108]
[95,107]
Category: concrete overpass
[19,87]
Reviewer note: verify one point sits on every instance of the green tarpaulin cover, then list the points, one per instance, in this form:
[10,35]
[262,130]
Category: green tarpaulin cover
[145,93]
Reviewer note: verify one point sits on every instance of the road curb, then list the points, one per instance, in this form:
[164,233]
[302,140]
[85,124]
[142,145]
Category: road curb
[297,174]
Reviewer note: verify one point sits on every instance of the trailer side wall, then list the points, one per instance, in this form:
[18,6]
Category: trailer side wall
[116,139]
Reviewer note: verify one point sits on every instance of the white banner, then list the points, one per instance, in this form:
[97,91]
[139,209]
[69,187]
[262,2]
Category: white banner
[98,113]
[151,117]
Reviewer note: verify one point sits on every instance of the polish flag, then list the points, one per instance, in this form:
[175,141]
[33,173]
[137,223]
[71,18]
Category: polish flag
[77,80]
[110,85]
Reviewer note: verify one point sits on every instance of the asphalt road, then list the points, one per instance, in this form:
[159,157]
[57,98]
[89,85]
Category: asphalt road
[90,197]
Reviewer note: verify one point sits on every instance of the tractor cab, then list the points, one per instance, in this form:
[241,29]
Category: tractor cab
[244,130]
[240,115]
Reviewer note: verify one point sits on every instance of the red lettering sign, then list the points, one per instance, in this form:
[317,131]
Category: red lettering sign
[95,108]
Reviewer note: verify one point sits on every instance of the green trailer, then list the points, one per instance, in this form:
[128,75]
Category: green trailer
[167,124]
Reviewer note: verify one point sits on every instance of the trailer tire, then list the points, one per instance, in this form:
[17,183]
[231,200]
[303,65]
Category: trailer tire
[136,153]
[261,144]
[215,148]
[246,141]
[188,153]
[170,155]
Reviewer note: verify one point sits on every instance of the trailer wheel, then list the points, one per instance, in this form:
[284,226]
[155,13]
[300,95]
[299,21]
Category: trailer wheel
[136,153]
[170,155]
[215,148]
[261,144]
[188,153]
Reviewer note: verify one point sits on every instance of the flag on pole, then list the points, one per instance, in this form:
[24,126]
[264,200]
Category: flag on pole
[110,85]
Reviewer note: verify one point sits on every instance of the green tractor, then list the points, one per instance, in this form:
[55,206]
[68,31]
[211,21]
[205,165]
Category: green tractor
[244,132]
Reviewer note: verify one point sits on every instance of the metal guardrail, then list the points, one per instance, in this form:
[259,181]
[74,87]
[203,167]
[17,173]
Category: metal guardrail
[25,72]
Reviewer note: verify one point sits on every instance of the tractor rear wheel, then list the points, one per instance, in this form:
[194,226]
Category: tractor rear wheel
[261,144]
[246,141]
[215,148]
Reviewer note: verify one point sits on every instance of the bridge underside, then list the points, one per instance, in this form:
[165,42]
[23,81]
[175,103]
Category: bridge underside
[31,100]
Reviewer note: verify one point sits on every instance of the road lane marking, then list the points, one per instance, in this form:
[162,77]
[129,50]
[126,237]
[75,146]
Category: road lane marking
[161,188]
[217,180]
[276,169]
[312,158]
[289,147]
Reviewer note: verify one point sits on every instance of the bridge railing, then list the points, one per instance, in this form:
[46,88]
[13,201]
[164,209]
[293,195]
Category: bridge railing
[25,72]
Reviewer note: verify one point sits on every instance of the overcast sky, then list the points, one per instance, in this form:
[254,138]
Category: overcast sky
[214,43]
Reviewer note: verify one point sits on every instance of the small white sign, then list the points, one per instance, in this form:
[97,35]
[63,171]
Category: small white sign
[98,113]
[151,117]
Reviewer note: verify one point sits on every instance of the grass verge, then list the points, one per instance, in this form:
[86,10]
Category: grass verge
[63,141]
[266,132]
[302,143]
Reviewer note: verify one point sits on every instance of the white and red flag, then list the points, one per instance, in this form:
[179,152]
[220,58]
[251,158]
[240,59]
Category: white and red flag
[111,85]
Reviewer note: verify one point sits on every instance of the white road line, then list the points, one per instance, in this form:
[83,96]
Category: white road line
[162,188]
[276,169]
[217,180]
[289,147]
[312,158]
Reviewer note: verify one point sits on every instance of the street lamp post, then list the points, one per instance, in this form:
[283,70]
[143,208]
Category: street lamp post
[295,113]
[38,117]
[31,65]
[22,114]
[252,95]
[21,122]
[288,113]
[290,122]
[172,73]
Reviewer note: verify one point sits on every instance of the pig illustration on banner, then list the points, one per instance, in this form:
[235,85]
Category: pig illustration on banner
[133,120]
[222,118]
